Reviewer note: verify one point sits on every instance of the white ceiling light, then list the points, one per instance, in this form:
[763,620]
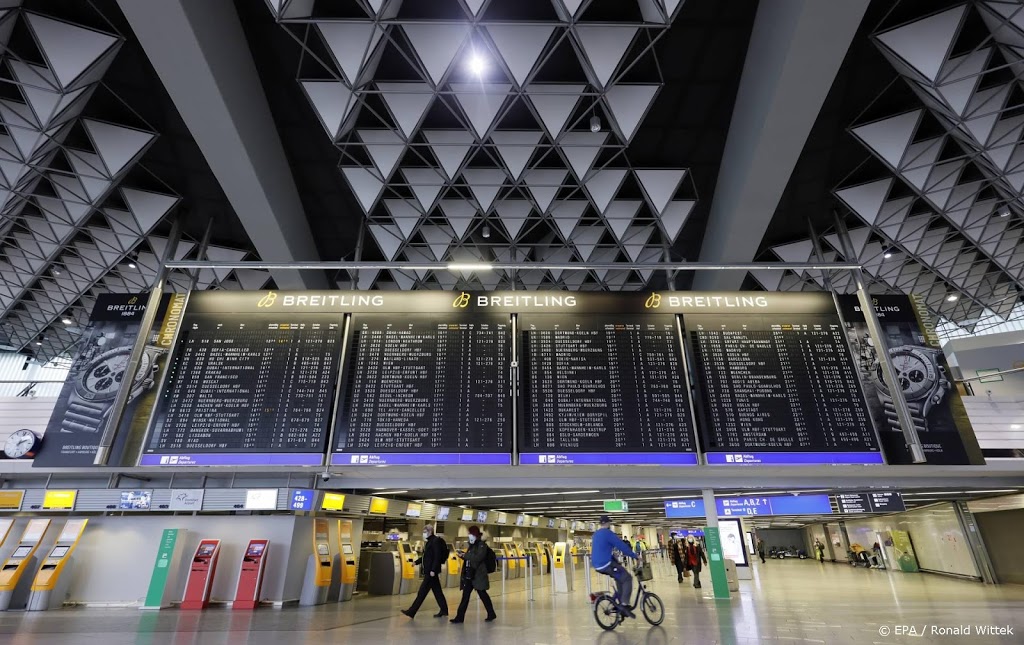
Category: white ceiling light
[476,64]
[952,297]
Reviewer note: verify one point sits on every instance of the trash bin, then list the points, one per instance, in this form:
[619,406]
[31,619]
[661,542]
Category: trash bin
[730,575]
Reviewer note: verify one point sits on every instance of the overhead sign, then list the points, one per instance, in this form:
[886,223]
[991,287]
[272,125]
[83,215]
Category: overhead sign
[333,502]
[882,502]
[413,510]
[10,500]
[186,499]
[135,500]
[301,499]
[616,506]
[59,500]
[747,506]
[261,499]
[378,505]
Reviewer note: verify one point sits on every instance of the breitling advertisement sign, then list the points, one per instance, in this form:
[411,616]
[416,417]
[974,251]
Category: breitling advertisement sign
[80,416]
[935,403]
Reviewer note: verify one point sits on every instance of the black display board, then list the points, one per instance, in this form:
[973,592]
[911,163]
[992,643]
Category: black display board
[603,389]
[426,389]
[779,388]
[874,502]
[248,389]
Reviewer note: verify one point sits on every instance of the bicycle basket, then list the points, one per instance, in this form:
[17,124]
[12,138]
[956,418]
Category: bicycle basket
[645,572]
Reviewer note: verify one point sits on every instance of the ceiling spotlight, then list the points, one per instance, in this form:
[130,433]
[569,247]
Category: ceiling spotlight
[55,271]
[887,255]
[131,260]
[1005,212]
[131,264]
[485,231]
[67,321]
[477,64]
[952,297]
[595,123]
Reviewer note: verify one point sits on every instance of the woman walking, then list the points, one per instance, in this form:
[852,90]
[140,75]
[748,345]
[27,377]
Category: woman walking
[474,576]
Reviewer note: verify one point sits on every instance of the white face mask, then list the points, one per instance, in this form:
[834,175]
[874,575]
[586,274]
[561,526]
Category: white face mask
[472,539]
[426,536]
[690,540]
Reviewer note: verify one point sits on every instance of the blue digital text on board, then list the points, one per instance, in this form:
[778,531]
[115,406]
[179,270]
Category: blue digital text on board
[301,500]
[746,506]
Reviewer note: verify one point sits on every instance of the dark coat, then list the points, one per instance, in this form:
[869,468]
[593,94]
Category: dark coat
[675,551]
[700,557]
[435,554]
[474,567]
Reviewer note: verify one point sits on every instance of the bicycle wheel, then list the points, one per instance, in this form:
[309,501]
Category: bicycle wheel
[653,608]
[606,613]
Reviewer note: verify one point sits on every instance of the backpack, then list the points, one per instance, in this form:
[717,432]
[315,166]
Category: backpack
[490,560]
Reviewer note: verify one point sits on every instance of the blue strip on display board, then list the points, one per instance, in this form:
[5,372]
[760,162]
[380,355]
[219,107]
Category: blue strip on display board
[235,459]
[607,459]
[743,506]
[794,458]
[422,459]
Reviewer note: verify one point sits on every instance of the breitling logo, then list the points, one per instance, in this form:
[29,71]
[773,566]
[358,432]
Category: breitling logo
[267,300]
[653,301]
[462,301]
[133,300]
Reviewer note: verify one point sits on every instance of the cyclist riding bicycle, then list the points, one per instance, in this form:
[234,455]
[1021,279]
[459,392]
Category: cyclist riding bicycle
[604,542]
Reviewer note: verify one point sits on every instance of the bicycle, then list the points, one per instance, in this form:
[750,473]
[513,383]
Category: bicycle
[609,613]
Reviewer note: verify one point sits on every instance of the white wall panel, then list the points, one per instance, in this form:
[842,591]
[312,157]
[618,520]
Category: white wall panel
[17,412]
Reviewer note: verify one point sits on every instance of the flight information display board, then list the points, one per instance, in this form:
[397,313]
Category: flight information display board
[873,502]
[426,389]
[603,389]
[247,389]
[779,388]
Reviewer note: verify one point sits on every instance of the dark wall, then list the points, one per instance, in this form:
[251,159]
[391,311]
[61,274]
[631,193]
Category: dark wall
[1001,531]
[781,538]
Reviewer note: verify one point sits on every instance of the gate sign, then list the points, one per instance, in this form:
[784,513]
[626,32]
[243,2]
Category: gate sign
[746,506]
[301,500]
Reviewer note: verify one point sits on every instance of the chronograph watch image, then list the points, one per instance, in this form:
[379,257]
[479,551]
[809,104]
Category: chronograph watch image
[922,379]
[99,382]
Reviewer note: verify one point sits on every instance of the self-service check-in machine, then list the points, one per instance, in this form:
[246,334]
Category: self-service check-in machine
[562,571]
[520,553]
[453,568]
[200,575]
[511,563]
[533,553]
[250,576]
[575,550]
[49,589]
[408,558]
[319,567]
[384,571]
[346,561]
[14,584]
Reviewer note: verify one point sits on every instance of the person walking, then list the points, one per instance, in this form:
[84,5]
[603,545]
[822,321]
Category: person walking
[760,549]
[474,576]
[675,555]
[435,555]
[694,555]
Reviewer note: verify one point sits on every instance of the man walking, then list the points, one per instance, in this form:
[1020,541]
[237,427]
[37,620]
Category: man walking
[435,555]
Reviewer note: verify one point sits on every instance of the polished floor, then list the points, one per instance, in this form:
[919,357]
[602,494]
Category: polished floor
[786,602]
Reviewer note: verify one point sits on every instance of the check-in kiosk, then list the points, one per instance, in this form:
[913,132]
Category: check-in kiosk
[511,563]
[562,571]
[346,561]
[575,551]
[549,556]
[49,589]
[319,567]
[250,576]
[408,558]
[14,584]
[453,568]
[533,553]
[385,572]
[520,553]
[200,575]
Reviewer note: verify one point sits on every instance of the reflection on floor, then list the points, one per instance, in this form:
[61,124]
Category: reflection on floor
[787,601]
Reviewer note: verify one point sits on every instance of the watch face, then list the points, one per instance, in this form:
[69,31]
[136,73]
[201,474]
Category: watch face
[20,444]
[914,373]
[103,377]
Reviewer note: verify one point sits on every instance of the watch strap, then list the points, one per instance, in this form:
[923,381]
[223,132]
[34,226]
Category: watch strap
[894,420]
[82,416]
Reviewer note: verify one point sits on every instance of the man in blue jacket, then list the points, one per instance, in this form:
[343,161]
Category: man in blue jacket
[601,547]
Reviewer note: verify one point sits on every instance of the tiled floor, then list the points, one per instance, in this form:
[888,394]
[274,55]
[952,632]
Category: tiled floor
[786,602]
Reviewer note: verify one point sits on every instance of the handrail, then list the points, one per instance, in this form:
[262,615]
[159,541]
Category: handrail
[990,375]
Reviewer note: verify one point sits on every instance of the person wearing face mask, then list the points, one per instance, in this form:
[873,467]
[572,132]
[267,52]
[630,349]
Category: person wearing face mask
[694,556]
[474,576]
[435,555]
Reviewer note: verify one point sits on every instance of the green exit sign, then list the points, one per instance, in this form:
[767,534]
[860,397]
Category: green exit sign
[616,506]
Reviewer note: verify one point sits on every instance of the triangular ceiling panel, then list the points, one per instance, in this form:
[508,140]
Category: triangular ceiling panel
[438,238]
[629,104]
[404,214]
[69,49]
[459,213]
[385,147]
[866,199]
[352,45]
[147,207]
[520,46]
[554,104]
[620,215]
[660,186]
[481,103]
[484,184]
[388,238]
[543,184]
[581,149]
[567,213]
[436,45]
[604,46]
[603,186]
[450,147]
[116,145]
[333,102]
[515,149]
[408,102]
[426,184]
[923,44]
[513,214]
[366,186]
[889,138]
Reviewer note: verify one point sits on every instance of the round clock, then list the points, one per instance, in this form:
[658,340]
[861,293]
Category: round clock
[23,444]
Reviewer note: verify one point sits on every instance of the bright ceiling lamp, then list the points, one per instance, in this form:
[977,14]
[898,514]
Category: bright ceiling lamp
[476,64]
[470,266]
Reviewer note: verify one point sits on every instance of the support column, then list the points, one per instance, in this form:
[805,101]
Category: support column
[713,544]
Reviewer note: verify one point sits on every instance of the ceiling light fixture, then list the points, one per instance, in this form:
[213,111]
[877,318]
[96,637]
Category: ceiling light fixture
[477,64]
[595,123]
[1004,213]
[470,266]
[952,297]
[66,321]
[485,231]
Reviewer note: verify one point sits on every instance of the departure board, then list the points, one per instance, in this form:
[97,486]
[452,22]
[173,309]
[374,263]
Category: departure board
[779,389]
[247,389]
[603,389]
[426,389]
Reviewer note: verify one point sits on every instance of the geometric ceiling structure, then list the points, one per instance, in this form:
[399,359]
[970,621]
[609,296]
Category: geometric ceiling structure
[942,216]
[78,215]
[468,138]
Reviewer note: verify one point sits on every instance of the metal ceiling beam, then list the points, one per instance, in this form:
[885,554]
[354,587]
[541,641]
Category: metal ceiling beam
[795,52]
[201,55]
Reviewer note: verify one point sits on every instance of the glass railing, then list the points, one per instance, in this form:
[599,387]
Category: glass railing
[31,389]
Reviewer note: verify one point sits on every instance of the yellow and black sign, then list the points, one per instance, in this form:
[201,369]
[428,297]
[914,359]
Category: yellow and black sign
[59,500]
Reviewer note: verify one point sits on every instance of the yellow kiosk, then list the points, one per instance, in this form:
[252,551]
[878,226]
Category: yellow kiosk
[575,550]
[408,558]
[511,564]
[49,589]
[454,567]
[562,572]
[347,560]
[319,567]
[14,585]
[521,554]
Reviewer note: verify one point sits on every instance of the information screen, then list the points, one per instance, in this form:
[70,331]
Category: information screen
[603,389]
[21,552]
[779,389]
[247,389]
[878,502]
[427,389]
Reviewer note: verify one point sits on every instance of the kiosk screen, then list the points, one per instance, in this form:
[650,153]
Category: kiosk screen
[346,549]
[256,549]
[59,552]
[21,552]
[206,550]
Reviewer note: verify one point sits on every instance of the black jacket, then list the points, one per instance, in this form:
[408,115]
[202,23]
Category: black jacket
[435,555]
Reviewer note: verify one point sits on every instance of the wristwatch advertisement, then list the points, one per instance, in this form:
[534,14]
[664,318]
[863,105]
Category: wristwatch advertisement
[922,380]
[97,385]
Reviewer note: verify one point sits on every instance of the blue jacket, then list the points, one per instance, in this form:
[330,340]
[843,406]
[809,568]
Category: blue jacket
[601,548]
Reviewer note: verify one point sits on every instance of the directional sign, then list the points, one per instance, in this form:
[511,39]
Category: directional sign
[301,500]
[746,506]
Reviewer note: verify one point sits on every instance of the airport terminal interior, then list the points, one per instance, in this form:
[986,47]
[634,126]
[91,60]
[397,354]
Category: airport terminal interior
[511,321]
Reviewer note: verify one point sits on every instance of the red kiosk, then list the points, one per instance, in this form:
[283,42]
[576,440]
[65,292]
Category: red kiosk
[250,577]
[200,575]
